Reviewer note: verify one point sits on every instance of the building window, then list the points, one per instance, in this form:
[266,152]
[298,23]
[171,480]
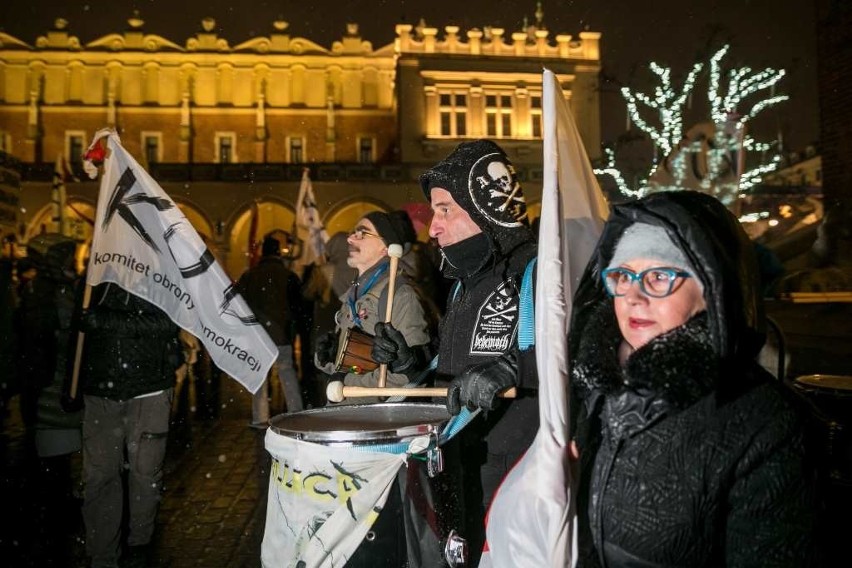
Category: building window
[152,147]
[535,116]
[74,148]
[453,114]
[296,150]
[366,145]
[498,115]
[226,152]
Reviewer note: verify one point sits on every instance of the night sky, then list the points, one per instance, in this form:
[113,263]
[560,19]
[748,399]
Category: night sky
[762,33]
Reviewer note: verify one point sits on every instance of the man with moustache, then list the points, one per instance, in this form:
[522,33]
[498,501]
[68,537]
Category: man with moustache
[365,302]
[481,225]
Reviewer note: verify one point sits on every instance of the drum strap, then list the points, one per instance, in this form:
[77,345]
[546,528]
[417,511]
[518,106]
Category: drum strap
[356,293]
[526,339]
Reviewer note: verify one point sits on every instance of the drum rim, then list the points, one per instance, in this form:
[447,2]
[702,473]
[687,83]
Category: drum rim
[816,382]
[362,437]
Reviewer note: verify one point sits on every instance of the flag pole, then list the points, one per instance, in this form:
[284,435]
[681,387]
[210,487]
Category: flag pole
[78,353]
[97,153]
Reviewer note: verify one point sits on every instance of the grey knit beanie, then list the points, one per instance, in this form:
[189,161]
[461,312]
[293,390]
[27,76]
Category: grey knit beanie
[641,240]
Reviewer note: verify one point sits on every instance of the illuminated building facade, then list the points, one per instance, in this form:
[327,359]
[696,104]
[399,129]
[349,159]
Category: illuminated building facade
[222,126]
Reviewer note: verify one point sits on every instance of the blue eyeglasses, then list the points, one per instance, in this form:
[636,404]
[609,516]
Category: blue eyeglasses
[656,282]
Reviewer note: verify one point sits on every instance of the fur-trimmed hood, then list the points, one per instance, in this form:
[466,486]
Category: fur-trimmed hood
[664,376]
[715,244]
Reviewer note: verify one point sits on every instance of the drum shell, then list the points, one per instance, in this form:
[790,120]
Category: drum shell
[355,354]
[420,511]
[830,398]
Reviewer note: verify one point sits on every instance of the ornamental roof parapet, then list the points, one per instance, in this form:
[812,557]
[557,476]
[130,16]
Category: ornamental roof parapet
[133,39]
[8,41]
[279,41]
[207,39]
[494,41]
[59,37]
[531,41]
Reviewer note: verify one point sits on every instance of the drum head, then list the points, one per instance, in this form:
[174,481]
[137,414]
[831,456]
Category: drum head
[362,423]
[841,384]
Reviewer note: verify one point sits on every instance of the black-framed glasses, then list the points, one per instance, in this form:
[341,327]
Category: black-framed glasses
[360,232]
[657,282]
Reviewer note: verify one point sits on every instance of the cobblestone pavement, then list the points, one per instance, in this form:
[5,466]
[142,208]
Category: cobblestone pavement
[214,499]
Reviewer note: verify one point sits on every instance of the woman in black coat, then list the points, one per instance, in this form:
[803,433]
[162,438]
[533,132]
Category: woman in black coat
[691,454]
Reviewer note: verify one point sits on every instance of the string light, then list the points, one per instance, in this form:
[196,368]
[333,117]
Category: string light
[719,155]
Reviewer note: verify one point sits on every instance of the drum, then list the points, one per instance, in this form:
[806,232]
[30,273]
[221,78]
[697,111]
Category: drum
[417,523]
[831,404]
[354,355]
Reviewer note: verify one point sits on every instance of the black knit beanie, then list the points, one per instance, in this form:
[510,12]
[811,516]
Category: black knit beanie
[387,226]
[482,180]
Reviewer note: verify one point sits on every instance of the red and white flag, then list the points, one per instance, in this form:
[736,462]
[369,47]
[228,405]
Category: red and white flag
[532,518]
[144,243]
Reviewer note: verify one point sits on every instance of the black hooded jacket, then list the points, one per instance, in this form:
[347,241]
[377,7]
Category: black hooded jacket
[691,454]
[481,319]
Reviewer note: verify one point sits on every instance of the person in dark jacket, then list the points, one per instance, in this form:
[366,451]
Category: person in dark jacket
[690,453]
[481,225]
[43,322]
[130,355]
[273,292]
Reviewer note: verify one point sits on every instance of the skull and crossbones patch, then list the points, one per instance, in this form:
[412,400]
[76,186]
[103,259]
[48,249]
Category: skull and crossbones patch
[495,191]
[497,321]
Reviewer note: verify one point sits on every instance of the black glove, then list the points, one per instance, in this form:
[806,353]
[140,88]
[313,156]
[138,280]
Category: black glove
[71,405]
[389,346]
[89,321]
[479,385]
[326,348]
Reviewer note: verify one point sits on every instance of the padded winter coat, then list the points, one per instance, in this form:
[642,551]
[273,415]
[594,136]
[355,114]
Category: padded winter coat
[131,347]
[691,454]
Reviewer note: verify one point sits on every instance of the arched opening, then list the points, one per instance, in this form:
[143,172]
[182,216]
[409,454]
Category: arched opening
[79,220]
[344,218]
[272,217]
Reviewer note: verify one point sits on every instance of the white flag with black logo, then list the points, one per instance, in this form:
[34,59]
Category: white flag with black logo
[144,243]
[532,518]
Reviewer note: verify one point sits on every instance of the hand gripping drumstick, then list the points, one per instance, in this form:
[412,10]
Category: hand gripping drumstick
[337,391]
[395,253]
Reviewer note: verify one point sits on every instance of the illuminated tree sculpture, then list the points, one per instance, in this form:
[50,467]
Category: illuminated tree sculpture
[710,156]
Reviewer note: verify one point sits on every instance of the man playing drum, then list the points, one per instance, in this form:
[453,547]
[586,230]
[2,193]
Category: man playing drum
[480,222]
[347,350]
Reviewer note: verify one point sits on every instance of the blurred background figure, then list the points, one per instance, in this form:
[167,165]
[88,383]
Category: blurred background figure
[44,356]
[8,301]
[420,262]
[273,292]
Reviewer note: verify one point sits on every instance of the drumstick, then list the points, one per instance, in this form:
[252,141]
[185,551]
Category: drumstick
[395,253]
[337,391]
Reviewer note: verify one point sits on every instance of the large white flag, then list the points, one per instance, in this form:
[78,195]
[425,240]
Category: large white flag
[531,521]
[307,217]
[144,243]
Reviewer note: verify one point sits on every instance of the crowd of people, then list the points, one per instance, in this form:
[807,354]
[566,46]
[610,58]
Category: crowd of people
[689,452]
